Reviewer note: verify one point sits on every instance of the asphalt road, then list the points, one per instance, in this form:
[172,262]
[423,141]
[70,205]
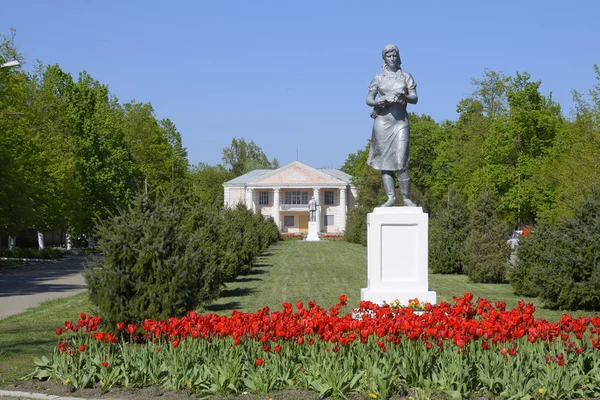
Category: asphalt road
[29,285]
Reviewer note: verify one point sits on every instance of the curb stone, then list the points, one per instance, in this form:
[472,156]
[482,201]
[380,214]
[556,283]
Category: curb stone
[39,396]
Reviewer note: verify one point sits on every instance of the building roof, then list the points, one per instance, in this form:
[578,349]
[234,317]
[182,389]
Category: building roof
[294,173]
[248,177]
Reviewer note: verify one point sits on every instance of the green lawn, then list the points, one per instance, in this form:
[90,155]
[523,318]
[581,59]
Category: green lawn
[290,271]
[31,334]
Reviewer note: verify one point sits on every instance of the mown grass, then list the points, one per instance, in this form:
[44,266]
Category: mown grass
[31,334]
[290,271]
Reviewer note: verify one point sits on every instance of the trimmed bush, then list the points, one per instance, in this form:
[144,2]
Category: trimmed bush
[447,238]
[560,263]
[486,250]
[163,257]
[151,266]
[356,225]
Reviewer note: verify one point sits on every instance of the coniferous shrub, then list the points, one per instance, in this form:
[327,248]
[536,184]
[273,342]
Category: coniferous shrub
[560,262]
[151,266]
[270,231]
[447,235]
[243,242]
[486,251]
[356,225]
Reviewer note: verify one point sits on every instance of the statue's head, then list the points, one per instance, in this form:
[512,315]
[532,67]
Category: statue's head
[390,54]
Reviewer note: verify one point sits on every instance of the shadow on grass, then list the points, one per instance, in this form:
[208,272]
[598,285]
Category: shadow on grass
[257,270]
[237,292]
[27,347]
[247,279]
[223,307]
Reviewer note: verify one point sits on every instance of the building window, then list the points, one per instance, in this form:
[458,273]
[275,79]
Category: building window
[296,197]
[288,220]
[263,198]
[328,198]
[328,220]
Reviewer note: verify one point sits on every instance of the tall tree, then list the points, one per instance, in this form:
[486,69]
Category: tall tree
[356,163]
[491,91]
[518,143]
[207,184]
[105,169]
[243,157]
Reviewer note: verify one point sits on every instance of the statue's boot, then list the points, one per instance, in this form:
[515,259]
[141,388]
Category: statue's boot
[388,184]
[405,192]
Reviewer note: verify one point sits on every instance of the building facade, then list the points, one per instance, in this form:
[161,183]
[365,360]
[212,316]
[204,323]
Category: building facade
[284,194]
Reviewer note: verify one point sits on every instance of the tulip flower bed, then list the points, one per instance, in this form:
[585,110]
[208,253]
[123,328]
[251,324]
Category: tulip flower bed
[465,349]
[333,236]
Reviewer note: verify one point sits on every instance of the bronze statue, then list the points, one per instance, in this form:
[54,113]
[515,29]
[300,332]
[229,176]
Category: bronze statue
[389,93]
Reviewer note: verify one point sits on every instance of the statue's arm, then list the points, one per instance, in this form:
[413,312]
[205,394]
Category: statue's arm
[411,94]
[377,103]
[371,101]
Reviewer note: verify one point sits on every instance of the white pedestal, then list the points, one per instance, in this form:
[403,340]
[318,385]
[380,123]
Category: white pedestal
[397,256]
[312,232]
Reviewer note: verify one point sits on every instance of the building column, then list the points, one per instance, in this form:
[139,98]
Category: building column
[68,241]
[40,237]
[250,199]
[226,197]
[276,212]
[12,243]
[342,225]
[316,194]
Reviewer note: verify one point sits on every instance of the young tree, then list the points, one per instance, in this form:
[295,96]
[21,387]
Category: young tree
[447,237]
[486,251]
[560,262]
[152,266]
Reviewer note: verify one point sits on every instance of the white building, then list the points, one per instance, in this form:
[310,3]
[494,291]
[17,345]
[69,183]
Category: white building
[284,193]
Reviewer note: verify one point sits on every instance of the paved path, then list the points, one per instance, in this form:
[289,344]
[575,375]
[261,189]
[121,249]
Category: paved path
[27,286]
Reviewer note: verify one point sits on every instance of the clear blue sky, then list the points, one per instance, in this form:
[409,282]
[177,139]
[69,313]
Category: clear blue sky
[294,75]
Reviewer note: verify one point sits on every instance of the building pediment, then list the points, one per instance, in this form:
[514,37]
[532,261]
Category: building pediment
[299,174]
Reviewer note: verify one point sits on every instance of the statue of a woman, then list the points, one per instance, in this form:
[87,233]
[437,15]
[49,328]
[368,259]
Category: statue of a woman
[389,92]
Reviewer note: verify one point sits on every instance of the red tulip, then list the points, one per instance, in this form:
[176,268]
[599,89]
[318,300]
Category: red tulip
[259,362]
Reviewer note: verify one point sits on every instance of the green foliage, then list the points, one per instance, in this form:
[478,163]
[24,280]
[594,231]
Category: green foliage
[163,257]
[560,262]
[151,266]
[207,184]
[356,163]
[70,153]
[370,191]
[425,138]
[356,225]
[486,250]
[47,253]
[243,157]
[447,235]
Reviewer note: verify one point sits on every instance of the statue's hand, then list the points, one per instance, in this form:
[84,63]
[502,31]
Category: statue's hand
[382,101]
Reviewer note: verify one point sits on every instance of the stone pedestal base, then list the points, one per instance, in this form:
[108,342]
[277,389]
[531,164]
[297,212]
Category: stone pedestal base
[397,256]
[312,232]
